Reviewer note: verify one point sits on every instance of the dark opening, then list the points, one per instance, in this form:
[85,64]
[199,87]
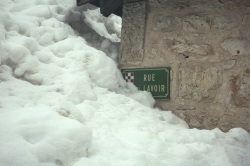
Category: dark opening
[185,56]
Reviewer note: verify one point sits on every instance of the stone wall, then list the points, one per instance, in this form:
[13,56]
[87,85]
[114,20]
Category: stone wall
[207,45]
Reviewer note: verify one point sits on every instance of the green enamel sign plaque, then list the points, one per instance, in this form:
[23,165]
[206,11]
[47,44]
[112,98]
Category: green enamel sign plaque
[154,80]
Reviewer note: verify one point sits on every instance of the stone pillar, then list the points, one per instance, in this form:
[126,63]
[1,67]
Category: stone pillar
[207,45]
[133,32]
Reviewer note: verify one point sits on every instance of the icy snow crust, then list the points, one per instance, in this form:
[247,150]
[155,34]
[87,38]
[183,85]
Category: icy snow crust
[64,103]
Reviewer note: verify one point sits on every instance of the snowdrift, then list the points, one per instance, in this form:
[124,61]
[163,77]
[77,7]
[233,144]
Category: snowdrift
[63,101]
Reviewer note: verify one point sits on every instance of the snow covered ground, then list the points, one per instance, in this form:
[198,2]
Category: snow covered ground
[64,103]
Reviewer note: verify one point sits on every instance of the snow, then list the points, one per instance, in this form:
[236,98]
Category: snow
[63,101]
[98,24]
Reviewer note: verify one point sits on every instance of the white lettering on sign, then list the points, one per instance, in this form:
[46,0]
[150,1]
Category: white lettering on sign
[154,88]
[149,77]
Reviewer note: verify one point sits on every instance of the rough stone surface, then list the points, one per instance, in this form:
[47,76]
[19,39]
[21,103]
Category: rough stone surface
[196,23]
[161,1]
[207,46]
[236,46]
[229,64]
[131,1]
[246,20]
[166,23]
[240,117]
[240,88]
[233,3]
[191,48]
[212,115]
[133,29]
[223,22]
[199,82]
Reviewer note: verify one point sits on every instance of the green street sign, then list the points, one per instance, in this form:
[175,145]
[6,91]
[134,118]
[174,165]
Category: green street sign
[154,80]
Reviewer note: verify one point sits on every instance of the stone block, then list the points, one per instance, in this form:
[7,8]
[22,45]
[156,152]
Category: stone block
[223,22]
[232,4]
[161,1]
[240,118]
[244,89]
[165,23]
[236,46]
[181,5]
[226,123]
[229,64]
[211,122]
[195,23]
[193,118]
[133,29]
[183,47]
[199,82]
[246,20]
[214,110]
[213,113]
[240,89]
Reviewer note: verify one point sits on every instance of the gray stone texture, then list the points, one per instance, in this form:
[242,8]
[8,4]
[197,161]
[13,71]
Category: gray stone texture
[207,45]
[196,23]
[240,88]
[199,82]
[163,23]
[133,31]
[236,46]
[184,47]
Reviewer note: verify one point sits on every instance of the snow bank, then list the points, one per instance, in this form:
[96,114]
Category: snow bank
[100,32]
[38,136]
[63,101]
